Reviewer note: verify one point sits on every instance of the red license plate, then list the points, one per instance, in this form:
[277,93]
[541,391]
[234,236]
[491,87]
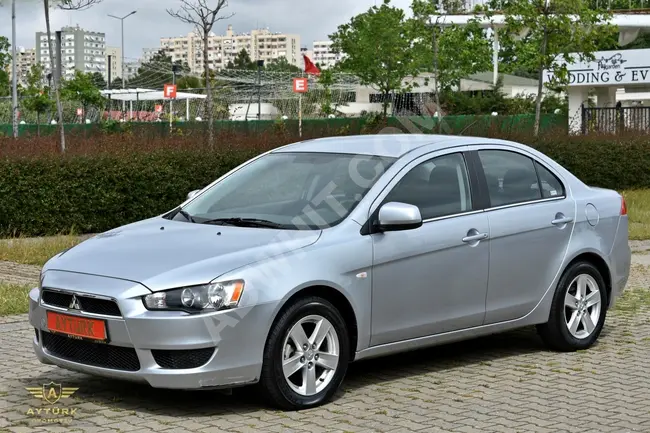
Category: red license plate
[76,326]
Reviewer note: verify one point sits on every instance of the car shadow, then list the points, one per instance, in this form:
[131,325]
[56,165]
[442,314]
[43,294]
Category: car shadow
[126,396]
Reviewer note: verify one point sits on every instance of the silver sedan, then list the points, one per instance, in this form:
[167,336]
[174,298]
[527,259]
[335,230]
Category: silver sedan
[311,256]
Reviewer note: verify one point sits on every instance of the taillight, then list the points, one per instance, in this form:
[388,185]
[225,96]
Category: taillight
[623,206]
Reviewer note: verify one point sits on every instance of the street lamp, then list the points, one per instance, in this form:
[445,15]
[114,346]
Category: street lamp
[122,72]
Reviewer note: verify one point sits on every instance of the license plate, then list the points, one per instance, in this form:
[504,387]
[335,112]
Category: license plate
[81,327]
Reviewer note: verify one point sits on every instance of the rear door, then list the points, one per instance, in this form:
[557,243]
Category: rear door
[531,217]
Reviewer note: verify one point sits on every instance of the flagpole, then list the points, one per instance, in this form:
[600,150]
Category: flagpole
[300,110]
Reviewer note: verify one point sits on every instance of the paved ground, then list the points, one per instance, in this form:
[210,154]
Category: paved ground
[504,383]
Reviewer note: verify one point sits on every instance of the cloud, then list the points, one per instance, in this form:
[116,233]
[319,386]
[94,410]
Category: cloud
[311,19]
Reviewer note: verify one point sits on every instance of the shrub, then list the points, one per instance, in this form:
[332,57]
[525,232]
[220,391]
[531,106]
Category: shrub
[113,180]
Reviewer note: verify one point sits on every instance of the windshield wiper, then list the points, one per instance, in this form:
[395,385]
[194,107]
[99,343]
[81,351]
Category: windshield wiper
[245,222]
[186,215]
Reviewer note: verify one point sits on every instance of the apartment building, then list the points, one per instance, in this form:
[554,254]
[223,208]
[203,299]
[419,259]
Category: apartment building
[81,50]
[25,59]
[261,44]
[149,53]
[115,54]
[324,56]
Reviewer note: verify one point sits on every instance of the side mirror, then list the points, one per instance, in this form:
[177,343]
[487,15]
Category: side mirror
[396,216]
[193,193]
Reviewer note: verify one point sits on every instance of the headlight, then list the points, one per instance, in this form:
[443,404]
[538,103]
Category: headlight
[209,297]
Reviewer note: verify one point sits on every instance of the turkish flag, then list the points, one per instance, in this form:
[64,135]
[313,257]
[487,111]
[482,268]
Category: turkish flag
[310,68]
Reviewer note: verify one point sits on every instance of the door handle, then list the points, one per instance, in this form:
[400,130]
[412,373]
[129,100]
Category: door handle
[561,221]
[475,238]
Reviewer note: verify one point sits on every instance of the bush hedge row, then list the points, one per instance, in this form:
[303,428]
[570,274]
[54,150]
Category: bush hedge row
[88,193]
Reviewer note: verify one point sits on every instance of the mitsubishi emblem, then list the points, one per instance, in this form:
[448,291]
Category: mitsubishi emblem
[74,303]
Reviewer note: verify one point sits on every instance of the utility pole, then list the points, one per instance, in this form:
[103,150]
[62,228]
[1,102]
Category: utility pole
[122,72]
[108,87]
[260,65]
[14,78]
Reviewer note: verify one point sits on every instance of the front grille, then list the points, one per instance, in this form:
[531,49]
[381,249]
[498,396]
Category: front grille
[95,354]
[87,304]
[178,359]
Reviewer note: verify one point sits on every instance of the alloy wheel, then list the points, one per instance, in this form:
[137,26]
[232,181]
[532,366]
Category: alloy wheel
[582,304]
[310,355]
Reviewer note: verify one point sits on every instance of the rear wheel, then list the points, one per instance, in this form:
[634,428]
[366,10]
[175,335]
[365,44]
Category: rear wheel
[578,310]
[306,355]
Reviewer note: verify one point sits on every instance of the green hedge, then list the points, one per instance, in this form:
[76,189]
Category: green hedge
[53,194]
[92,194]
[321,127]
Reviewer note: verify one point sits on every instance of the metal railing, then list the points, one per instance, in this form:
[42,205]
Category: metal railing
[615,120]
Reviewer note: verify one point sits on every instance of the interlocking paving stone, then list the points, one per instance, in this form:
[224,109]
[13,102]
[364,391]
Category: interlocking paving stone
[503,383]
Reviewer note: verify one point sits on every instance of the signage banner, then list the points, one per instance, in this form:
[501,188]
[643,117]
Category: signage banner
[610,68]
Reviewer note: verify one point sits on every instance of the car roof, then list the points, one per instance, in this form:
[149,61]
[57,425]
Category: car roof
[385,145]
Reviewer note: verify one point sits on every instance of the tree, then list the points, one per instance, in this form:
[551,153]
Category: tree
[5,62]
[203,16]
[82,88]
[559,33]
[69,5]
[155,73]
[242,61]
[36,97]
[189,82]
[378,47]
[461,50]
[281,64]
[98,80]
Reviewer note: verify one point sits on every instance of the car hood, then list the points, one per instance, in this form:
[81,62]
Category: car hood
[163,254]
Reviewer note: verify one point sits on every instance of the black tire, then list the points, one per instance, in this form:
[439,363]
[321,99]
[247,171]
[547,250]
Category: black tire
[555,332]
[272,384]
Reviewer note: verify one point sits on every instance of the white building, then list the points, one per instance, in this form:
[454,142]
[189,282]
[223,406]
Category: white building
[260,44]
[115,54]
[149,53]
[324,56]
[81,50]
[25,59]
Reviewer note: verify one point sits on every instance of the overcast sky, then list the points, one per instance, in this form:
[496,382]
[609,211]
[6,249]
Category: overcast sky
[312,19]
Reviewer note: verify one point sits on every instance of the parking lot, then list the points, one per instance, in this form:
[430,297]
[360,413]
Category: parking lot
[506,382]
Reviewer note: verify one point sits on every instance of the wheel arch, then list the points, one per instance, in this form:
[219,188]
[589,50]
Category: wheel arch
[599,263]
[333,296]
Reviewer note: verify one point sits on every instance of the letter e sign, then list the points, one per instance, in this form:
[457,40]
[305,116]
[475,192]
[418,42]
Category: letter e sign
[170,91]
[300,85]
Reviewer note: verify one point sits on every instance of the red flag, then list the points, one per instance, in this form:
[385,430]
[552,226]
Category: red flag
[310,68]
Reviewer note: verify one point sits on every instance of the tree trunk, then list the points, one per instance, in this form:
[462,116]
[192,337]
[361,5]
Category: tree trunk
[434,41]
[385,102]
[540,85]
[208,90]
[55,83]
[38,123]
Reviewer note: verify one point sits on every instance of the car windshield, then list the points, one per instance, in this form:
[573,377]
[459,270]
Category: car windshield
[299,191]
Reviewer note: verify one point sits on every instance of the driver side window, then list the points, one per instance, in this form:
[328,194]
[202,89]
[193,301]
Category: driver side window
[438,187]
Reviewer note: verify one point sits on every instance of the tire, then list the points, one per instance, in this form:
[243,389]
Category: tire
[556,333]
[291,393]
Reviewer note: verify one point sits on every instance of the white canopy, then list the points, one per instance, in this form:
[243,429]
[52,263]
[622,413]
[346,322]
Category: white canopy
[146,95]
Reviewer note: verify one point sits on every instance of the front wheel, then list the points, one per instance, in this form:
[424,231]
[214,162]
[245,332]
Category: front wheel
[578,310]
[306,355]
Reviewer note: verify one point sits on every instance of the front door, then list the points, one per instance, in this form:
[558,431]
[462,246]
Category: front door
[432,279]
[531,222]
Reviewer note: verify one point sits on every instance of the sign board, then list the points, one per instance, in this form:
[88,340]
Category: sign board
[159,108]
[80,112]
[610,68]
[169,91]
[300,85]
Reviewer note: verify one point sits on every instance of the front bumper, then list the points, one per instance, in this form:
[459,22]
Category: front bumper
[234,340]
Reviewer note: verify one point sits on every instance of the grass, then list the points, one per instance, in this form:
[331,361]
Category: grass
[35,251]
[638,209]
[633,300]
[13,299]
